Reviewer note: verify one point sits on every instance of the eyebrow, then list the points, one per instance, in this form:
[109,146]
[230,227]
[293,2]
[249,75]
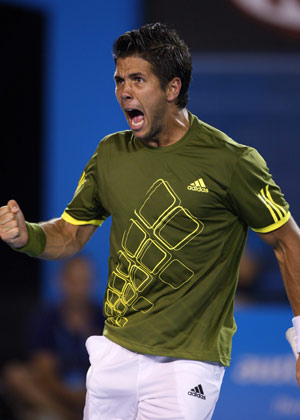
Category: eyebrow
[131,75]
[138,74]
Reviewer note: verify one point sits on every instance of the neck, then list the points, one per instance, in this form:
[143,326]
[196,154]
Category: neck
[174,128]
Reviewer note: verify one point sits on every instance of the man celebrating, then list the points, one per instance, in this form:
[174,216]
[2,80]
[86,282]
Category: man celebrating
[181,195]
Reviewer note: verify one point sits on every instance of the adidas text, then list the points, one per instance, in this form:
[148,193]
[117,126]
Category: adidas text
[198,185]
[200,189]
[195,394]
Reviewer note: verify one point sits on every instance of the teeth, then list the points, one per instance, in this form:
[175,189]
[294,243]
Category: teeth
[137,123]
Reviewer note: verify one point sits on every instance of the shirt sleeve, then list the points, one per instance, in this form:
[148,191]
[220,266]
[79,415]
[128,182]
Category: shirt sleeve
[255,196]
[85,207]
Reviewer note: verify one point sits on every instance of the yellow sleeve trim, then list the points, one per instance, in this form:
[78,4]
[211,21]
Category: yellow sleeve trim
[274,226]
[277,211]
[65,216]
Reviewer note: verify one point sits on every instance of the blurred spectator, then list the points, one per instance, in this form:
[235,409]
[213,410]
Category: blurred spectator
[259,278]
[51,385]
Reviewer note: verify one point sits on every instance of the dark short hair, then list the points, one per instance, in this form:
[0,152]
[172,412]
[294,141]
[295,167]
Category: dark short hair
[161,46]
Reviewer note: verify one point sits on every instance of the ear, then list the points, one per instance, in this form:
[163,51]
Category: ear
[173,89]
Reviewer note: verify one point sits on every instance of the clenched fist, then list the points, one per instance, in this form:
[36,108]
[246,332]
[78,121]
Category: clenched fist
[13,229]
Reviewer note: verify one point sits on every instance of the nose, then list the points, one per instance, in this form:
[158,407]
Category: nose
[126,92]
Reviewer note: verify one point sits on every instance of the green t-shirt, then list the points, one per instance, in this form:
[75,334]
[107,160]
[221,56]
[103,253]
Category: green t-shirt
[180,216]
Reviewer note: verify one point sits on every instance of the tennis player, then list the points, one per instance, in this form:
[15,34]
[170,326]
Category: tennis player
[181,195]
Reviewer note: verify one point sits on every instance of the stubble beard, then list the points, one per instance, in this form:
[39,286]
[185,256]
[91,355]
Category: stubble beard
[156,128]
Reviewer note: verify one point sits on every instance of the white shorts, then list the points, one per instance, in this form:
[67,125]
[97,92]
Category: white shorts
[123,385]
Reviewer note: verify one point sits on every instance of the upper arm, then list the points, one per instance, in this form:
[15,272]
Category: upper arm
[287,237]
[80,233]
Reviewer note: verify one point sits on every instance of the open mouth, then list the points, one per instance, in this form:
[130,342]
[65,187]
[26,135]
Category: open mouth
[136,117]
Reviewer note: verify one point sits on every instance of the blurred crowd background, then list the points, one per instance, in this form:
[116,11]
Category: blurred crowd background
[57,101]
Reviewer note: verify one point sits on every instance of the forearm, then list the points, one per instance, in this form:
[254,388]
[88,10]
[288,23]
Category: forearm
[286,244]
[61,242]
[55,239]
[51,240]
[289,263]
[288,259]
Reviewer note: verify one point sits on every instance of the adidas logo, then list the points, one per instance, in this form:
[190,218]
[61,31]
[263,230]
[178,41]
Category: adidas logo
[197,392]
[198,185]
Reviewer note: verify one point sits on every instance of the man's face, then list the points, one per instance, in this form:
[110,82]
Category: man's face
[141,97]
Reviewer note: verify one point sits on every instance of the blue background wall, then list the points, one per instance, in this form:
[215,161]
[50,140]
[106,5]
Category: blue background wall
[80,106]
[255,99]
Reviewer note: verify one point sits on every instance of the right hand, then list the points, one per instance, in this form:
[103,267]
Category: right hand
[13,229]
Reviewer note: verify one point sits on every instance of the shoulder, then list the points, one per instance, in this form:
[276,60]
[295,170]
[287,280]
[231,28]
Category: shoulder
[220,140]
[113,146]
[220,146]
[116,139]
